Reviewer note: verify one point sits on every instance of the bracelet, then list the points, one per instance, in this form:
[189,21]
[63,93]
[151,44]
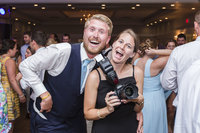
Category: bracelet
[98,114]
[45,96]
[140,103]
[20,96]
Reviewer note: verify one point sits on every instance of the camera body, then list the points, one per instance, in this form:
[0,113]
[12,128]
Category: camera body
[123,91]
[126,91]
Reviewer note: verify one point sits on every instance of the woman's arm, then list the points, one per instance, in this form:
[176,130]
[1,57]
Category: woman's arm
[11,71]
[158,65]
[161,52]
[91,89]
[139,77]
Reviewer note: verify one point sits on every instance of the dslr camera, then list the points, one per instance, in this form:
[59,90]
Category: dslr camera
[123,91]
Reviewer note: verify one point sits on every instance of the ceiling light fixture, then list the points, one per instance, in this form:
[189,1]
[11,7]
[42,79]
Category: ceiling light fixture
[133,8]
[35,5]
[155,22]
[34,24]
[166,18]
[73,8]
[163,7]
[103,4]
[29,22]
[69,5]
[16,19]
[103,8]
[193,8]
[43,8]
[160,20]
[172,5]
[13,8]
[137,4]
[147,25]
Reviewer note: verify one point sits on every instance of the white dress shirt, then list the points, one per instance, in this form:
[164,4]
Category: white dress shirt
[53,59]
[188,108]
[179,61]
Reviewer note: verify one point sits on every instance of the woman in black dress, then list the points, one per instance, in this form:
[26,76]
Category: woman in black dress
[111,114]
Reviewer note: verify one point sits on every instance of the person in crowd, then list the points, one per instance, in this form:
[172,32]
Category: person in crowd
[9,83]
[37,45]
[170,95]
[66,38]
[29,52]
[18,56]
[62,95]
[51,41]
[181,39]
[5,126]
[171,44]
[100,103]
[27,39]
[154,111]
[174,77]
[54,36]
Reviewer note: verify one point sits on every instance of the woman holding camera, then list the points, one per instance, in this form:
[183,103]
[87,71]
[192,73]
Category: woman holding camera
[111,114]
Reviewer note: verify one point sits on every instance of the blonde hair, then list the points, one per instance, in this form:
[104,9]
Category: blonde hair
[102,18]
[148,43]
[51,41]
[197,17]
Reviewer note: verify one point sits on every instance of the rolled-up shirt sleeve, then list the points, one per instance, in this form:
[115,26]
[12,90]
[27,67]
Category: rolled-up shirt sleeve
[52,59]
[168,77]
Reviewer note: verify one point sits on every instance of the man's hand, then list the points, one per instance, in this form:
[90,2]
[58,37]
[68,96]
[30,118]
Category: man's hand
[46,103]
[140,122]
[18,77]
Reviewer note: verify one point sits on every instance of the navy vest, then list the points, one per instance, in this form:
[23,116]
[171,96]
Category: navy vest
[65,88]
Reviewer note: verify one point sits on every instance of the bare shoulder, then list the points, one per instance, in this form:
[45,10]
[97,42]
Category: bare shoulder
[93,76]
[10,61]
[138,70]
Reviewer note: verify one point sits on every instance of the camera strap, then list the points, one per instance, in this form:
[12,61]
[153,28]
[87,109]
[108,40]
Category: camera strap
[107,68]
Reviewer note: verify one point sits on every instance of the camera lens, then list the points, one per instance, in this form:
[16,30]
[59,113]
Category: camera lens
[129,91]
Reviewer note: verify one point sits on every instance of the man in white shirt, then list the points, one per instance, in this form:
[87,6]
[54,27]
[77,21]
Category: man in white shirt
[61,94]
[173,78]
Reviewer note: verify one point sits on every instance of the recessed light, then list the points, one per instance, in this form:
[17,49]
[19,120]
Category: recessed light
[151,23]
[160,20]
[103,7]
[29,22]
[16,19]
[103,4]
[132,7]
[69,5]
[163,7]
[73,8]
[166,17]
[147,25]
[193,8]
[172,5]
[34,24]
[137,4]
[13,7]
[155,22]
[43,8]
[35,5]
[16,29]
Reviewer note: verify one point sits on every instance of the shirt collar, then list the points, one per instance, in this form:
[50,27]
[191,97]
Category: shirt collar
[40,49]
[198,38]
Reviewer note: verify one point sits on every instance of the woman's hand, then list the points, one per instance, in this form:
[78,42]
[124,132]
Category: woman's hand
[112,100]
[150,51]
[22,98]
